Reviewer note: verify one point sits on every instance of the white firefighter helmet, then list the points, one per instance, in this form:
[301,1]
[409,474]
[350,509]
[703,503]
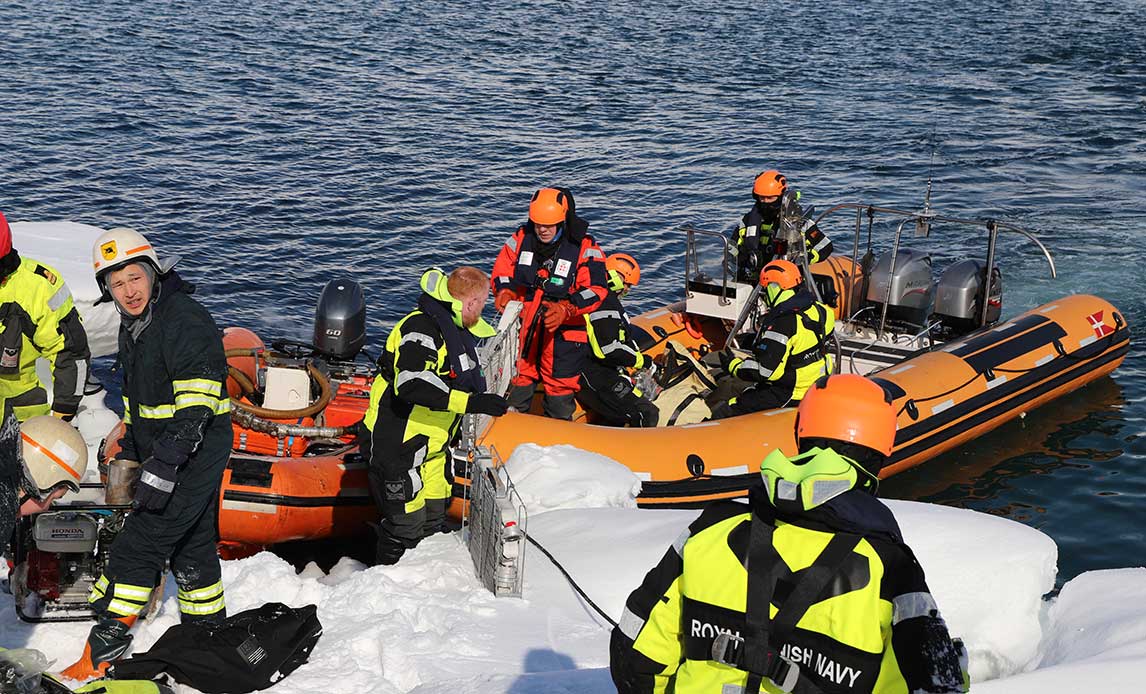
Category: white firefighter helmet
[54,453]
[121,246]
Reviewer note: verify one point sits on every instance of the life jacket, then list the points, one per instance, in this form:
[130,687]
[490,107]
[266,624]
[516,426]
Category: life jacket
[553,270]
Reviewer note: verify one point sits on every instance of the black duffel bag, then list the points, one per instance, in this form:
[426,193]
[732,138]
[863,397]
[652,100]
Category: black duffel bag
[247,652]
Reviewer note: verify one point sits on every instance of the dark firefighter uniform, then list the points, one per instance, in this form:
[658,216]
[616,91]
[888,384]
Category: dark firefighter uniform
[570,268]
[757,242]
[426,374]
[11,476]
[39,320]
[790,352]
[605,388]
[176,410]
[848,608]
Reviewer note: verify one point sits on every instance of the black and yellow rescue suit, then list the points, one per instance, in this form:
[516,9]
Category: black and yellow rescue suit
[751,598]
[605,387]
[39,320]
[177,414]
[791,350]
[426,374]
[758,242]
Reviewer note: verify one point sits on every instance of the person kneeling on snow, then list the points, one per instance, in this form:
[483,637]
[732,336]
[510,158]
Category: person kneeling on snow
[177,419]
[428,377]
[40,461]
[856,616]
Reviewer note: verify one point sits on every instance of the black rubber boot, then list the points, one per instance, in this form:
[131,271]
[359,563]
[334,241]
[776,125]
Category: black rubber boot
[521,397]
[108,640]
[560,406]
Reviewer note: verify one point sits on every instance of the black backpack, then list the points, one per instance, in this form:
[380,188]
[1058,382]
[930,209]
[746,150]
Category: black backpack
[247,652]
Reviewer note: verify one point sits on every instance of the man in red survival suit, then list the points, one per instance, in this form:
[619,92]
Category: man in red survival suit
[554,266]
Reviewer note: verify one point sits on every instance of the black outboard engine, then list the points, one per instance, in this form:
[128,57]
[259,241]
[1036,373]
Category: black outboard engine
[959,296]
[340,320]
[909,301]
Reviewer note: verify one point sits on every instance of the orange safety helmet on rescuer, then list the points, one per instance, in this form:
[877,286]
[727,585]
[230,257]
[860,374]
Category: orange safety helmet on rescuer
[769,183]
[848,408]
[782,272]
[777,279]
[548,206]
[624,273]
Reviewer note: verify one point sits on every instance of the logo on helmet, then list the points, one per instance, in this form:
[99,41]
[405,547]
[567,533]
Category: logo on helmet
[108,250]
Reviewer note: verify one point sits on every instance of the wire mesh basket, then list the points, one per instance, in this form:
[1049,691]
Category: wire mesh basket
[495,525]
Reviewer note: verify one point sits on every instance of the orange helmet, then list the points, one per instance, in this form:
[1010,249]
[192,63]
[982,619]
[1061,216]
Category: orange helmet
[848,408]
[626,266]
[769,183]
[548,206]
[782,272]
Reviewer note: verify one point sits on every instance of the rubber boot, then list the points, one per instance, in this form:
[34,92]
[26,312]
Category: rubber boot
[521,397]
[109,639]
[559,406]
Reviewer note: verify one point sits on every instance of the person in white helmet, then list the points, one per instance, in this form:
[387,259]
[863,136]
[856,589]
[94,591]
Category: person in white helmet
[178,427]
[40,461]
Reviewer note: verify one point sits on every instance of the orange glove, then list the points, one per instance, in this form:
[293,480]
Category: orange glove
[503,297]
[556,314]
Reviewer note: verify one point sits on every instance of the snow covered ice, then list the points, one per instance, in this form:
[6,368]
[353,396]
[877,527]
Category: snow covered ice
[427,625]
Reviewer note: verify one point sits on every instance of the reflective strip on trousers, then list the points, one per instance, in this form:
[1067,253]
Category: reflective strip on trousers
[202,601]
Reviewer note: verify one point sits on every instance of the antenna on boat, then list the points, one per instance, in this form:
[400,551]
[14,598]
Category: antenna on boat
[923,221]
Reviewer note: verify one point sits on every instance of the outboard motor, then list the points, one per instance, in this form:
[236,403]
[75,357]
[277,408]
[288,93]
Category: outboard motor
[340,320]
[959,296]
[910,299]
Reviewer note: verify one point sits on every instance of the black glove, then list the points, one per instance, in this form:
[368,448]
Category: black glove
[726,356]
[156,483]
[487,403]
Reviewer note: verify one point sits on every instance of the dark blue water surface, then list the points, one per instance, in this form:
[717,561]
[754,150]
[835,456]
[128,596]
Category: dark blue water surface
[278,144]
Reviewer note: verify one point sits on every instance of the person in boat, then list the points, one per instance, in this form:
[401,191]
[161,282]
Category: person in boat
[39,320]
[429,376]
[606,388]
[723,610]
[553,265]
[177,424]
[40,461]
[790,350]
[757,237]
